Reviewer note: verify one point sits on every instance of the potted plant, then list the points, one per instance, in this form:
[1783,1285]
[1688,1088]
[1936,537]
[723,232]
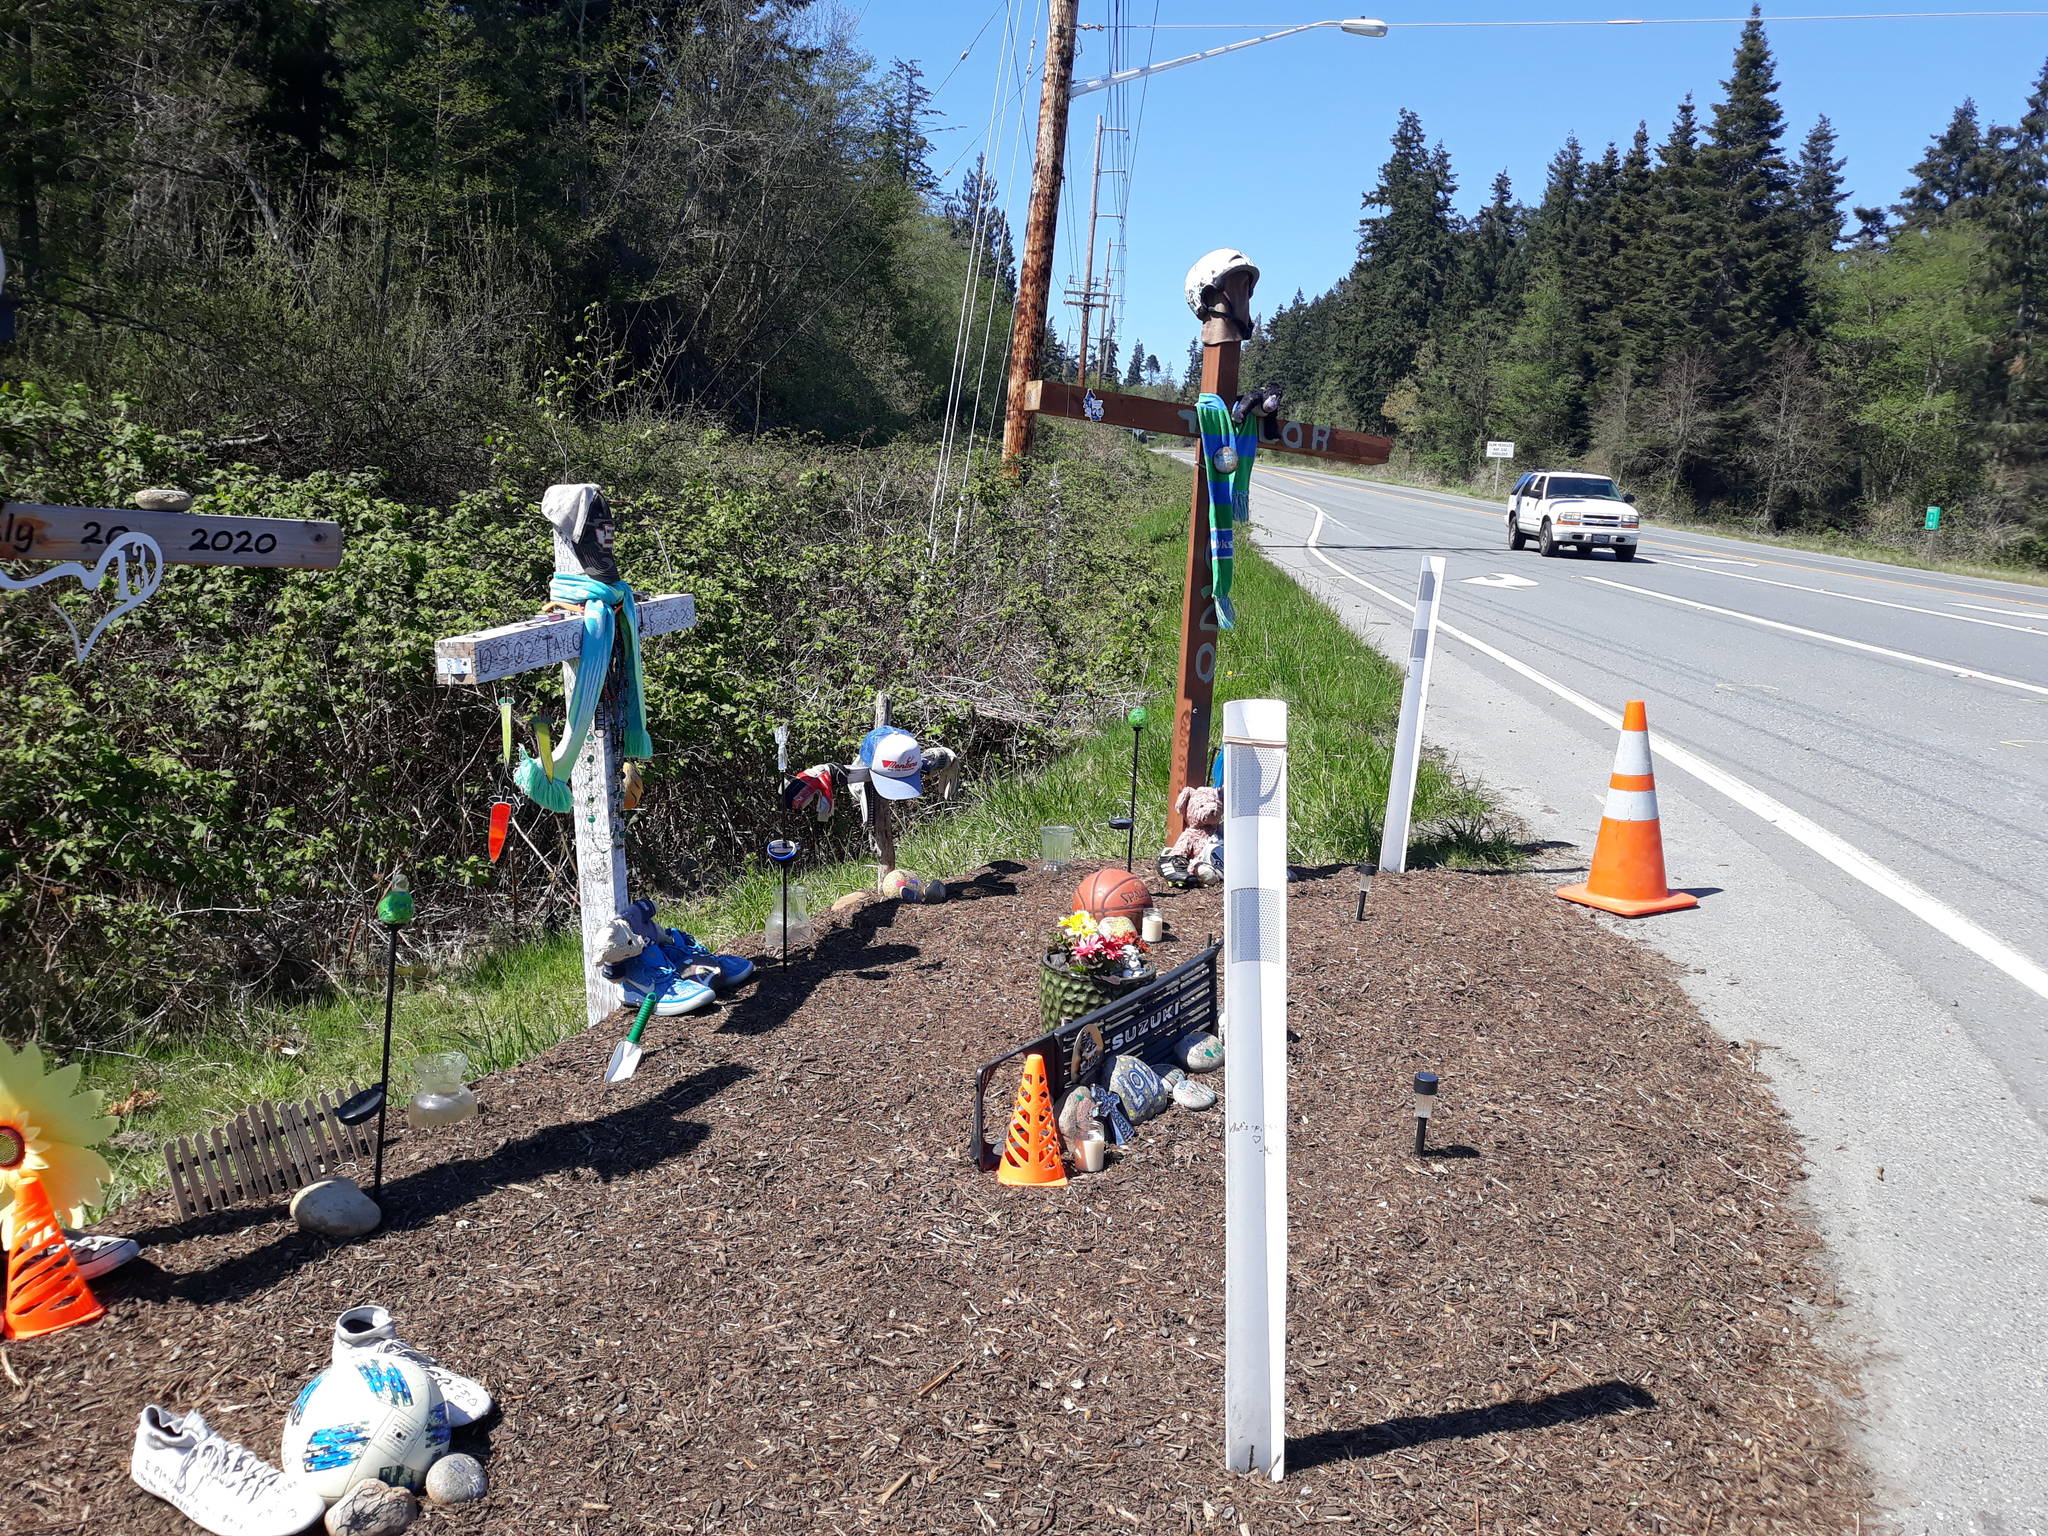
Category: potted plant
[1084,968]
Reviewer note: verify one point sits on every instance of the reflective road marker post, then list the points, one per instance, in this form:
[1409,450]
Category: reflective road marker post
[1408,737]
[1255,1045]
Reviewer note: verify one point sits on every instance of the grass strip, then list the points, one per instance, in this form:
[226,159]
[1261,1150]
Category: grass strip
[504,1006]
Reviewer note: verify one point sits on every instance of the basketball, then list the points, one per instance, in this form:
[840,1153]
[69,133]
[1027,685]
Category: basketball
[1112,893]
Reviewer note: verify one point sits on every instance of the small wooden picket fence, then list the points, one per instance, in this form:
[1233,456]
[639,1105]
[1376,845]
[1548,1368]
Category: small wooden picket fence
[268,1151]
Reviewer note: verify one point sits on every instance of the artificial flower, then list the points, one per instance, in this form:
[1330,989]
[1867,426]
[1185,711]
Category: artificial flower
[48,1128]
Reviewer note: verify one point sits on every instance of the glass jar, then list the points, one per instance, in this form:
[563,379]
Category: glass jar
[1056,847]
[440,1094]
[794,923]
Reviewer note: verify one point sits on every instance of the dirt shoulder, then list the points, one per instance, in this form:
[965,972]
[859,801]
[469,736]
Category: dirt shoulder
[760,1288]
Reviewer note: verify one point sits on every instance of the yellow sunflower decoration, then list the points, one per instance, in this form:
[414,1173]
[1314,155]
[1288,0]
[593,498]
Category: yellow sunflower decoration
[48,1128]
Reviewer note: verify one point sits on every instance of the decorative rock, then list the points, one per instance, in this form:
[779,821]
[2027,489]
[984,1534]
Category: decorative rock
[1192,1095]
[1077,1115]
[934,891]
[163,498]
[1199,1051]
[456,1479]
[372,1508]
[335,1208]
[853,901]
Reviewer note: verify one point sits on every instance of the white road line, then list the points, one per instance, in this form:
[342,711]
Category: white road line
[1852,861]
[1851,597]
[2006,611]
[1665,552]
[1816,634]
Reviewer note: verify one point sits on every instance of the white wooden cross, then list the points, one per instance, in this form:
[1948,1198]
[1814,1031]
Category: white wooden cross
[492,654]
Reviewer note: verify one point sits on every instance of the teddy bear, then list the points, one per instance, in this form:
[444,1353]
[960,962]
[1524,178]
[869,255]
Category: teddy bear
[1196,858]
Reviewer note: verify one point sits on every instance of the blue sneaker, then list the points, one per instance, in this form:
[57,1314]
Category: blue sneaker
[683,951]
[650,971]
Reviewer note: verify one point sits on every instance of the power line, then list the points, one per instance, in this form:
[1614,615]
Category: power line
[1609,21]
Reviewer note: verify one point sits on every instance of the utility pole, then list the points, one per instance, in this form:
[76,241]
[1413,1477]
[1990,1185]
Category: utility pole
[1034,276]
[1090,300]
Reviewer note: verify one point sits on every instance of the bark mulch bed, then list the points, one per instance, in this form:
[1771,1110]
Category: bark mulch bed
[760,1288]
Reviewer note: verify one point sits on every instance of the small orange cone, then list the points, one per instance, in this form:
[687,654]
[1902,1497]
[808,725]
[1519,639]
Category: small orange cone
[1628,859]
[45,1291]
[1031,1152]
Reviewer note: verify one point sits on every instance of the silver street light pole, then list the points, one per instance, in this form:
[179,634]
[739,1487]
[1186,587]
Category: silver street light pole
[1357,26]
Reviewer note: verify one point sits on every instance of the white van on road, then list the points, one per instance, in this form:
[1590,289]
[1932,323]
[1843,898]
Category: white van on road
[1562,508]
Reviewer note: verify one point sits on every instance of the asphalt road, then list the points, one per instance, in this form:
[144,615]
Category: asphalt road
[1853,771]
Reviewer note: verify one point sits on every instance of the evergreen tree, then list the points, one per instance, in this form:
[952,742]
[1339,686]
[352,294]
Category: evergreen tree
[906,105]
[1761,246]
[1952,179]
[977,200]
[1405,254]
[1818,191]
[1191,380]
[2017,209]
[1134,375]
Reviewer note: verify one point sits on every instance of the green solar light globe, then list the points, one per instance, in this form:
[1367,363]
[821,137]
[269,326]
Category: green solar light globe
[1138,717]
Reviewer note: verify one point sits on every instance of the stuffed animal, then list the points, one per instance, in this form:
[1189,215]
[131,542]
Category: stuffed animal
[1196,858]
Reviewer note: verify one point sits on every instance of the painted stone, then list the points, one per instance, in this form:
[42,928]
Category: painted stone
[372,1508]
[1199,1051]
[456,1479]
[335,1208]
[163,498]
[853,901]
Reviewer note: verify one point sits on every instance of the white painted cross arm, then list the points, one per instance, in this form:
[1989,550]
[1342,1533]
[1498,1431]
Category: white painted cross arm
[490,654]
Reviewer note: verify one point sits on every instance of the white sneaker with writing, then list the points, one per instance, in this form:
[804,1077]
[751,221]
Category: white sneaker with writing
[215,1483]
[370,1329]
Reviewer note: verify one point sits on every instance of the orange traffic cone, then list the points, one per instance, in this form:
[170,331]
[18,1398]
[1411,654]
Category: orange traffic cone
[1628,859]
[45,1291]
[1031,1152]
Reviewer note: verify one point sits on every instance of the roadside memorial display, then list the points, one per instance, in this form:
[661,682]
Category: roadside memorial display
[214,1482]
[1144,1023]
[1228,452]
[594,624]
[394,911]
[501,808]
[1196,857]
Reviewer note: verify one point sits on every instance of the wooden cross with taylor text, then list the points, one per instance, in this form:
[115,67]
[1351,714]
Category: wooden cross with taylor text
[492,654]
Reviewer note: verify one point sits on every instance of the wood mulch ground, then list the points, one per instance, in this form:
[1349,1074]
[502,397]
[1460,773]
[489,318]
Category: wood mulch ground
[760,1288]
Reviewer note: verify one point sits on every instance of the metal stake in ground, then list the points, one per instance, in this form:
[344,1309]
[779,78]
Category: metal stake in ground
[781,853]
[1137,718]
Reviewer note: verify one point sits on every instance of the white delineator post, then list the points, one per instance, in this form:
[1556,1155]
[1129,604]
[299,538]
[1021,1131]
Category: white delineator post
[1408,736]
[1255,1046]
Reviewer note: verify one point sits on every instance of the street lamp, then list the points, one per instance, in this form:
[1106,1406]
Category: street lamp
[1357,26]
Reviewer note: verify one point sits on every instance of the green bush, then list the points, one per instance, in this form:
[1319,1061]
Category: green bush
[206,806]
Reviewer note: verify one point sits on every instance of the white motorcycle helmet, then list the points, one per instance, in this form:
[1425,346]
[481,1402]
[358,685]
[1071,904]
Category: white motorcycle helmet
[1205,275]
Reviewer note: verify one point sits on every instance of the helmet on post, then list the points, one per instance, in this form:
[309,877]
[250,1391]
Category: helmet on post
[1205,279]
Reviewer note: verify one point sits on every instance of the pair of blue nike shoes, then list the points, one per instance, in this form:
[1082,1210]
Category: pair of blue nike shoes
[682,974]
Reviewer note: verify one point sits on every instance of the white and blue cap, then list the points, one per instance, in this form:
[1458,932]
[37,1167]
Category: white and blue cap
[895,763]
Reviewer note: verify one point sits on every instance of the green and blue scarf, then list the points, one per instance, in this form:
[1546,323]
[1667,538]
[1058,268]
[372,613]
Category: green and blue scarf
[550,789]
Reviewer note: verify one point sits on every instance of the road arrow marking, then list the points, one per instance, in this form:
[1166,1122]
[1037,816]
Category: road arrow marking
[1498,579]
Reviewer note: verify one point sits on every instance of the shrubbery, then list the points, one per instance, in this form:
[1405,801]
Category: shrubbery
[207,805]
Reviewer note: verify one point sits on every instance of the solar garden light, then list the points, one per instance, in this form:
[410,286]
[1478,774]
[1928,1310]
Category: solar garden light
[781,853]
[1136,719]
[1425,1105]
[394,912]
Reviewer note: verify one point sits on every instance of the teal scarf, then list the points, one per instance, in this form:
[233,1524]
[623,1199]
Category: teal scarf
[599,628]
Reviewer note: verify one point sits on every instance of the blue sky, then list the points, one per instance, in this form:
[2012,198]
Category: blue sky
[1499,98]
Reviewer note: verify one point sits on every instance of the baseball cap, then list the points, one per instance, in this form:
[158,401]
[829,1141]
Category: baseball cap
[895,763]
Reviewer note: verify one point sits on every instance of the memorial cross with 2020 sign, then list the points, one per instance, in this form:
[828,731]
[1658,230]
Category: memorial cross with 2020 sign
[493,654]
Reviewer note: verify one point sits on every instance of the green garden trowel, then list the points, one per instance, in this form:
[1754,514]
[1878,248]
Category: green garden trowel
[626,1054]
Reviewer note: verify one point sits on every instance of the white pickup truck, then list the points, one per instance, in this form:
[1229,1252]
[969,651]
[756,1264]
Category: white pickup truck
[1563,509]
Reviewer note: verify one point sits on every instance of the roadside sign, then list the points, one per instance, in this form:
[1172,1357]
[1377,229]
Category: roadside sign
[1500,450]
[1934,517]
